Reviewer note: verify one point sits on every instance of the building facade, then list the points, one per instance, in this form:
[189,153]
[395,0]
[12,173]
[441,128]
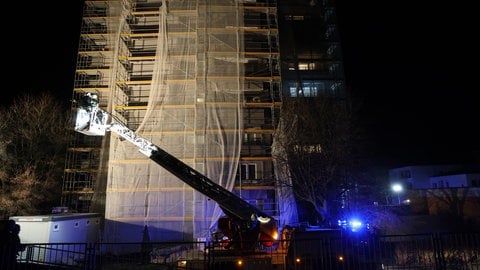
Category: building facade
[430,176]
[203,81]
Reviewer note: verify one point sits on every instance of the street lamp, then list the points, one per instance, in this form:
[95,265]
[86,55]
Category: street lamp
[397,188]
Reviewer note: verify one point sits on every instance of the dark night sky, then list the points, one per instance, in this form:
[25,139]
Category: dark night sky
[410,62]
[39,47]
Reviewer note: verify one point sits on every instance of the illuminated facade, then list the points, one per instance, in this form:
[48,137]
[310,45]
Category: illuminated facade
[201,79]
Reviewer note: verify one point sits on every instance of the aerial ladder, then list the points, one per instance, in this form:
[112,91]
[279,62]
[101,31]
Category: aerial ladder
[245,226]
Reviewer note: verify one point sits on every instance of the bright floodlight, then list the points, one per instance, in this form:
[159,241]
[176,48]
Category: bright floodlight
[397,188]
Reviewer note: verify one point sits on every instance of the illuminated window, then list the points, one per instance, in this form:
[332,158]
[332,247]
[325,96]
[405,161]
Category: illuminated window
[312,88]
[307,66]
[293,91]
[308,89]
[303,66]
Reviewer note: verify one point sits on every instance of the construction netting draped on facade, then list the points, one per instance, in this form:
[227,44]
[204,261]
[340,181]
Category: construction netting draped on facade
[201,80]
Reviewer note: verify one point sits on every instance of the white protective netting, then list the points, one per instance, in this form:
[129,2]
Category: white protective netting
[194,112]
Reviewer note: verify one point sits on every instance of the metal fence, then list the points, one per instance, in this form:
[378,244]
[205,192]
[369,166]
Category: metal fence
[420,251]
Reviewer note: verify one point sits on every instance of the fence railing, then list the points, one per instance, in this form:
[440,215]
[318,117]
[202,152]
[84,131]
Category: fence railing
[420,251]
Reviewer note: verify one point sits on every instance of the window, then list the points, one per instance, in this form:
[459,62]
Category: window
[248,171]
[312,88]
[290,17]
[254,138]
[307,89]
[307,66]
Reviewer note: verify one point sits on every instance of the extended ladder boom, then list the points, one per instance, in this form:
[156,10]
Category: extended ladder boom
[93,121]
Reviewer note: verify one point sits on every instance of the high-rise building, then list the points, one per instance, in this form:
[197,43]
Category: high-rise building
[204,80]
[310,49]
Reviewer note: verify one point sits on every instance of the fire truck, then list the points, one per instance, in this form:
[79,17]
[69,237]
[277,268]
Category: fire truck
[244,226]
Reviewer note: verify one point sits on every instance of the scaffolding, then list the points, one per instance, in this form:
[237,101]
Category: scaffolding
[205,81]
[201,79]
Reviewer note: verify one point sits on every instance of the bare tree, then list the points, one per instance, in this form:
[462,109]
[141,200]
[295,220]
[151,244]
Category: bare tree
[315,137]
[455,205]
[33,141]
[453,200]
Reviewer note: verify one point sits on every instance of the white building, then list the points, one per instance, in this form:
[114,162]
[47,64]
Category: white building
[424,176]
[455,180]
